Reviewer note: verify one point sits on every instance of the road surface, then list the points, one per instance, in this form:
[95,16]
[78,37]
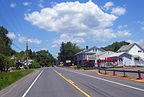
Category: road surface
[59,82]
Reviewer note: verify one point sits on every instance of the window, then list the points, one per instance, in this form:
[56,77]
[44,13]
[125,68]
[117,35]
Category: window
[139,51]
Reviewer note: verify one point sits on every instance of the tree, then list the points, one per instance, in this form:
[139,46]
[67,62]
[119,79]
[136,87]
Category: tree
[115,46]
[44,58]
[5,62]
[67,52]
[5,43]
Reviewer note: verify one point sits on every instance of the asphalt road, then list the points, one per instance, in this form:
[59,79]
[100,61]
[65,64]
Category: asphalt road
[58,82]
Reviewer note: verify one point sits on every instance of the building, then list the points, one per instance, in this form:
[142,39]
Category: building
[133,49]
[131,54]
[89,55]
[127,55]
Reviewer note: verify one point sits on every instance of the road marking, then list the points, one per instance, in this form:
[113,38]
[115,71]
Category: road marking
[108,81]
[32,84]
[72,83]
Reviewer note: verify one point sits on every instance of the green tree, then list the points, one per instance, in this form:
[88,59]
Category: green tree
[67,52]
[44,58]
[115,46]
[5,43]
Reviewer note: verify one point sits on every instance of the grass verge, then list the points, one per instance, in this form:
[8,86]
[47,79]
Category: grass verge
[7,78]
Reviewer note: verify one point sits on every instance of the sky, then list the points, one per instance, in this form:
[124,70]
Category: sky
[48,23]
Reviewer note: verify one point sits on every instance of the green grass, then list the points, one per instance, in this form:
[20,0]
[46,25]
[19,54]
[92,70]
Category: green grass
[7,78]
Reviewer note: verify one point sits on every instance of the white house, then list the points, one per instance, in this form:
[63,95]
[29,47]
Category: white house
[88,55]
[131,54]
[133,49]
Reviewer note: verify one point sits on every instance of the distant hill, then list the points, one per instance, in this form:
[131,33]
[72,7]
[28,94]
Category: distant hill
[115,46]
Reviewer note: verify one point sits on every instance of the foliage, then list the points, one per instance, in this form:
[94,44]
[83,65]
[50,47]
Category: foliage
[44,58]
[8,78]
[76,67]
[67,52]
[5,62]
[5,43]
[34,65]
[115,46]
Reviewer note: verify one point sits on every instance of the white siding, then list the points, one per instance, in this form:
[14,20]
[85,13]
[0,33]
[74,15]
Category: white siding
[135,51]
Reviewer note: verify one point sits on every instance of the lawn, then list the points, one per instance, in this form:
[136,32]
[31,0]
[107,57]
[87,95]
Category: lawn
[7,78]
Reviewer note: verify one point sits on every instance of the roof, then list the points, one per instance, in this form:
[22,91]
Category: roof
[126,48]
[142,46]
[114,55]
[85,50]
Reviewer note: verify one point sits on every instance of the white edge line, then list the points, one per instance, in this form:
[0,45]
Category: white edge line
[32,84]
[108,81]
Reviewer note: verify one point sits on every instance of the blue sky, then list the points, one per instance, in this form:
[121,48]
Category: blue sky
[46,23]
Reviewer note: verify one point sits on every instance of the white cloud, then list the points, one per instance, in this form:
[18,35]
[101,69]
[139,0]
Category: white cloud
[141,22]
[108,5]
[27,3]
[53,46]
[66,38]
[13,5]
[11,35]
[28,10]
[122,26]
[36,41]
[41,4]
[124,33]
[74,19]
[118,11]
[44,49]
[138,42]
[142,28]
[22,39]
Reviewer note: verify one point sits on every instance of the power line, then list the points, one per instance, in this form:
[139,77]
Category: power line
[17,46]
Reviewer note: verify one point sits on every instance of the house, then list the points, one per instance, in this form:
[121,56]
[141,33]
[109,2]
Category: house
[131,54]
[89,55]
[133,49]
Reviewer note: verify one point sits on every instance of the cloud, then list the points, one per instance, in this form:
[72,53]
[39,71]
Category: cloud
[22,39]
[44,49]
[53,46]
[122,26]
[108,5]
[13,5]
[142,28]
[36,41]
[66,38]
[118,11]
[41,4]
[78,22]
[11,35]
[27,3]
[138,42]
[141,22]
[74,19]
[124,33]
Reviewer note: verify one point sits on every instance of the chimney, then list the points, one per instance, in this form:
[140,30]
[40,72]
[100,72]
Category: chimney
[86,47]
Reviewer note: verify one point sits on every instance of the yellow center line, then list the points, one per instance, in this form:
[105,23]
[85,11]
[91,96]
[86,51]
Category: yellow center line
[72,83]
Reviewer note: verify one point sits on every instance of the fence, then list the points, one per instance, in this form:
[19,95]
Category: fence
[124,72]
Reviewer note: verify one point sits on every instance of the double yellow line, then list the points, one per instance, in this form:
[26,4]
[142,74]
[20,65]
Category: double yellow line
[72,83]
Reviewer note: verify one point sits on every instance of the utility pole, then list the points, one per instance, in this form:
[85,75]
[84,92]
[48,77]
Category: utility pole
[27,54]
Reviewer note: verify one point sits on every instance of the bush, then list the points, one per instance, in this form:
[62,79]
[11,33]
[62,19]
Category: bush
[34,65]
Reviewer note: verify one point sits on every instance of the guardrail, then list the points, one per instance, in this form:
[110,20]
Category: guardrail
[124,72]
